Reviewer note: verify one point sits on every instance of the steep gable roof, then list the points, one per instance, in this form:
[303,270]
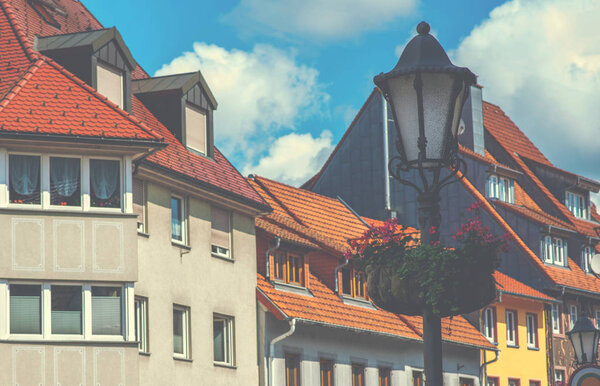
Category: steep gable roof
[510,286]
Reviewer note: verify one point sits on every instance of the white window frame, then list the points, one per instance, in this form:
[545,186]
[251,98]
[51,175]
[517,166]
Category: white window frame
[511,315]
[86,313]
[141,324]
[556,318]
[185,331]
[142,226]
[501,188]
[554,250]
[577,204]
[228,254]
[573,315]
[46,161]
[531,323]
[229,339]
[586,256]
[184,221]
[122,182]
[43,174]
[489,324]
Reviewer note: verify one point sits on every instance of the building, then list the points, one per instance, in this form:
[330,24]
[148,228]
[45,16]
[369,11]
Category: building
[518,324]
[544,209]
[316,323]
[129,242]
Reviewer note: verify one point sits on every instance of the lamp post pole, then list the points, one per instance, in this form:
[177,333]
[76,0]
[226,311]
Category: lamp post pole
[426,93]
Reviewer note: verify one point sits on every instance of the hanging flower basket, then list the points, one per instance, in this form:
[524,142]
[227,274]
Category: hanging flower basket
[405,276]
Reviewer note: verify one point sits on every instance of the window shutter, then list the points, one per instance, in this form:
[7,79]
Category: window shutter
[138,199]
[25,307]
[109,82]
[221,228]
[106,311]
[195,129]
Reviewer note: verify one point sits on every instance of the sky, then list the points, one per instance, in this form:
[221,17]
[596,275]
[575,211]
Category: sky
[290,75]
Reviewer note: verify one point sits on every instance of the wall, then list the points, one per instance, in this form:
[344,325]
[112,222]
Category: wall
[193,278]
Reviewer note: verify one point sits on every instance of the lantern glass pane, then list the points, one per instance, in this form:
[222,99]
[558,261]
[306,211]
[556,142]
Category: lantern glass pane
[438,107]
[576,342]
[588,344]
[403,99]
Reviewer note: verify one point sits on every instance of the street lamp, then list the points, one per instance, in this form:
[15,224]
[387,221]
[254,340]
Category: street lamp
[426,93]
[584,338]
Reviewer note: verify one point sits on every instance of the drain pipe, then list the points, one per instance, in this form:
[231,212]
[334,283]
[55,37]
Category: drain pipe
[337,269]
[268,260]
[272,348]
[483,368]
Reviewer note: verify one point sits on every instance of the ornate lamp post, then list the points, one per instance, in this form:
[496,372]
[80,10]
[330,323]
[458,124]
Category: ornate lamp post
[427,93]
[584,338]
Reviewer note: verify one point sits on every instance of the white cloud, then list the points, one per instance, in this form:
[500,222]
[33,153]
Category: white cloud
[259,92]
[294,158]
[316,19]
[540,61]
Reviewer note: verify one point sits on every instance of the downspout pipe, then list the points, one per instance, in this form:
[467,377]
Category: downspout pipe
[268,260]
[483,367]
[337,269]
[386,155]
[272,348]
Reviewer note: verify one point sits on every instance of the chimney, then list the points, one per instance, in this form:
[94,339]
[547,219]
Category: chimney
[472,116]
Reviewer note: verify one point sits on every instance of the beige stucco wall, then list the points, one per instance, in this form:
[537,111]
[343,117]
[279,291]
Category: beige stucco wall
[205,284]
[68,364]
[67,246]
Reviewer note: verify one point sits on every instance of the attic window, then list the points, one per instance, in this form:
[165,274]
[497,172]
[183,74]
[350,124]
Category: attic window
[577,204]
[45,10]
[501,188]
[554,250]
[109,82]
[195,128]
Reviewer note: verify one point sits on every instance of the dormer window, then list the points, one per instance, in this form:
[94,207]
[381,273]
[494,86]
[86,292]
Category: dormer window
[109,82]
[288,267]
[501,188]
[195,128]
[554,250]
[354,283]
[586,257]
[577,204]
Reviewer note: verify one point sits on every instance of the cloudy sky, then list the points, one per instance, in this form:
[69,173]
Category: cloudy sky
[290,75]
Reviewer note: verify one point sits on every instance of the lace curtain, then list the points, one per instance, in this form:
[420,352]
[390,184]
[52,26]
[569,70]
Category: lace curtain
[104,178]
[24,172]
[64,176]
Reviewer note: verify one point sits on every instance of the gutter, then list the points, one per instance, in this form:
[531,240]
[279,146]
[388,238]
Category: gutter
[272,349]
[268,260]
[386,155]
[531,297]
[337,269]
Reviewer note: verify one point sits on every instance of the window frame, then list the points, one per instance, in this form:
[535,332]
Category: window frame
[597,319]
[354,284]
[186,332]
[531,322]
[292,362]
[142,226]
[573,320]
[41,183]
[586,256]
[577,204]
[142,326]
[495,380]
[556,323]
[417,377]
[229,254]
[184,220]
[488,326]
[81,183]
[384,375]
[326,369]
[358,374]
[515,328]
[43,320]
[88,171]
[229,339]
[204,112]
[109,67]
[286,266]
[552,252]
[517,380]
[501,188]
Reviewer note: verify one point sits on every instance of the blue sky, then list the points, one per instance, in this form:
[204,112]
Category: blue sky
[289,75]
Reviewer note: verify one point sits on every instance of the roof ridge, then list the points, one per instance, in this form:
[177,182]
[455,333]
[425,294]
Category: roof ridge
[304,191]
[20,34]
[77,32]
[277,200]
[89,13]
[14,90]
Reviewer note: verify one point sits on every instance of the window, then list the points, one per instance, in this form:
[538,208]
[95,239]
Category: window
[385,376]
[223,339]
[181,336]
[597,320]
[24,179]
[292,370]
[25,309]
[195,128]
[493,381]
[110,83]
[489,324]
[535,383]
[532,334]
[577,204]
[501,188]
[139,204]
[289,267]
[572,316]
[66,314]
[105,183]
[466,382]
[559,377]
[106,310]
[141,323]
[417,377]
[514,382]
[177,220]
[554,250]
[326,366]
[220,237]
[65,181]
[358,375]
[354,283]
[511,328]
[556,318]
[586,258]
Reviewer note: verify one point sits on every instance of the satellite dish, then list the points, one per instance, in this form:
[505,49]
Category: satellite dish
[461,128]
[595,263]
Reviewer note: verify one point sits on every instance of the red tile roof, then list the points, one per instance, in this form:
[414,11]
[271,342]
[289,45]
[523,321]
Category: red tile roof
[511,286]
[327,308]
[48,99]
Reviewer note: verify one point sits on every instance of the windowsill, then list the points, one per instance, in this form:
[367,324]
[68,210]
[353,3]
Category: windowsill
[225,365]
[91,212]
[143,234]
[292,288]
[216,255]
[80,341]
[357,302]
[556,266]
[181,359]
[512,345]
[143,353]
[179,244]
[533,348]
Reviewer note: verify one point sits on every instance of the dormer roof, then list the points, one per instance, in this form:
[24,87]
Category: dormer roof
[180,83]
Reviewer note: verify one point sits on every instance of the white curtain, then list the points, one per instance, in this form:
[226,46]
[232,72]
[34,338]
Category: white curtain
[104,177]
[24,172]
[64,176]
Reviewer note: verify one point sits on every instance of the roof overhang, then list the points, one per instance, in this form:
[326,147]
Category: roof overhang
[180,83]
